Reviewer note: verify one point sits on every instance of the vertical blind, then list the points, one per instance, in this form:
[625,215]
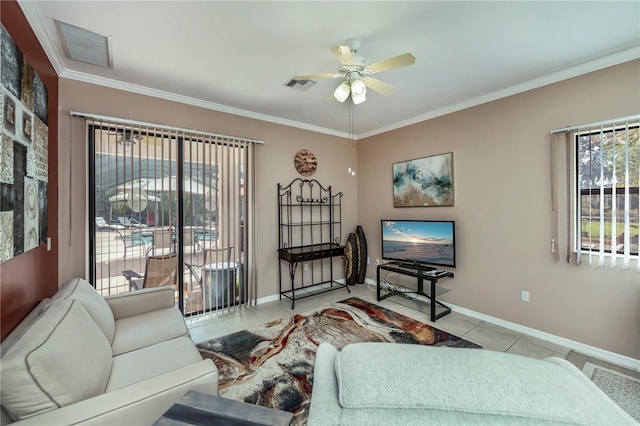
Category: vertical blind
[159,189]
[602,174]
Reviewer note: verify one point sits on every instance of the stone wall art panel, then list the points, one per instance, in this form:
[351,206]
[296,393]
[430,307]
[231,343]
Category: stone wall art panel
[6,230]
[24,141]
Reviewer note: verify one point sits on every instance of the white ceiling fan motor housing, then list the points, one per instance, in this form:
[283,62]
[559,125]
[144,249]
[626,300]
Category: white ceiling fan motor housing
[354,44]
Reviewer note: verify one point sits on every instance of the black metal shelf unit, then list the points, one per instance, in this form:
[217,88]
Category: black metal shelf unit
[422,274]
[309,230]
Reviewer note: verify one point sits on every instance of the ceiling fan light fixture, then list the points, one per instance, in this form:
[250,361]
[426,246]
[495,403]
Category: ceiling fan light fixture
[342,92]
[358,91]
[358,88]
[358,99]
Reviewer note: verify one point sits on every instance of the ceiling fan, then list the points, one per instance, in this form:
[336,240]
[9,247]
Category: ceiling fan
[128,138]
[357,70]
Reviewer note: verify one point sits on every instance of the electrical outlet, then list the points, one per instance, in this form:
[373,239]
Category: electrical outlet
[525,296]
[306,266]
[368,260]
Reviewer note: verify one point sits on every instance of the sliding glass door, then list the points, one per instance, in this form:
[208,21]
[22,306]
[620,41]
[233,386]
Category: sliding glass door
[171,198]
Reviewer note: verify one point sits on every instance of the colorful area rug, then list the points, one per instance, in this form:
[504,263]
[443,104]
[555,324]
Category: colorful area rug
[272,364]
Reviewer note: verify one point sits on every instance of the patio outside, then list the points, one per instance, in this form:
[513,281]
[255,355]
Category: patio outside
[137,213]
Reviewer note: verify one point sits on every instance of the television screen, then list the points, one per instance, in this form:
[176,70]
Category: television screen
[419,241]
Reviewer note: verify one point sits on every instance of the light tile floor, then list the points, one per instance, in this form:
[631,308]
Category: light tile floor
[489,336]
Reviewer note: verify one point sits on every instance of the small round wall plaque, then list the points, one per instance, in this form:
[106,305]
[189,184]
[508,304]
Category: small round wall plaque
[305,162]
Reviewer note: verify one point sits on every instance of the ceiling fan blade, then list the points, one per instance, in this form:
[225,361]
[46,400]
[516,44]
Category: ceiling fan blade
[396,62]
[343,53]
[379,86]
[314,76]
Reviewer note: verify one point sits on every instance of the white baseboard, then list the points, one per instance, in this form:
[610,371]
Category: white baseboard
[267,299]
[593,351]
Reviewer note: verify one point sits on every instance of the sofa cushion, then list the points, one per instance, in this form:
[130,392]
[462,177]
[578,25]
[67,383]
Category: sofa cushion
[147,329]
[469,381]
[132,367]
[80,290]
[24,325]
[61,359]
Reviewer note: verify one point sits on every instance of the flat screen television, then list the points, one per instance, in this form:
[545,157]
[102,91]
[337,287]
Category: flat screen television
[419,242]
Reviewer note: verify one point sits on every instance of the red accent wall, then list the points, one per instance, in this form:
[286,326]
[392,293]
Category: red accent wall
[32,276]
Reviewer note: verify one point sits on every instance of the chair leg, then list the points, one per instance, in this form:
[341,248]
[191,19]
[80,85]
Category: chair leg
[135,285]
[194,275]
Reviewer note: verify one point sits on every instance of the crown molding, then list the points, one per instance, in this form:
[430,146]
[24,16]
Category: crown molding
[33,17]
[605,62]
[161,94]
[585,68]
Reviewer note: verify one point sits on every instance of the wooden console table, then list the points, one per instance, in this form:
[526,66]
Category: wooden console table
[421,274]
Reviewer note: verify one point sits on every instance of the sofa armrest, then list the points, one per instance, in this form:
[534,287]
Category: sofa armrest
[325,409]
[138,302]
[141,403]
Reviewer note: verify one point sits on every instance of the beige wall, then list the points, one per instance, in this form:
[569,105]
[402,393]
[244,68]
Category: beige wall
[274,165]
[502,211]
[503,208]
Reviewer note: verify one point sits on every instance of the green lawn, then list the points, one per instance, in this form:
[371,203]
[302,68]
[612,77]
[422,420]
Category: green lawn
[593,228]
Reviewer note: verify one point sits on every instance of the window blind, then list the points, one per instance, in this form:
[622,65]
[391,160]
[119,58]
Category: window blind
[155,189]
[602,169]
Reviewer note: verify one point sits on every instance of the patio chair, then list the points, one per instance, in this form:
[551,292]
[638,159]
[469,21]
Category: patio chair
[102,224]
[189,238]
[206,239]
[163,239]
[132,239]
[159,271]
[210,256]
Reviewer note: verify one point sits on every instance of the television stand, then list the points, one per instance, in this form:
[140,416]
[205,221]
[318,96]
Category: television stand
[422,274]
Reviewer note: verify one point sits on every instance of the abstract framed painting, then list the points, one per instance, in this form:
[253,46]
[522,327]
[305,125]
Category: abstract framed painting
[424,182]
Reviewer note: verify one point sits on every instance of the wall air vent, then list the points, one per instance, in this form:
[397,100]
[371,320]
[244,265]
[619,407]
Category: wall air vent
[84,46]
[301,85]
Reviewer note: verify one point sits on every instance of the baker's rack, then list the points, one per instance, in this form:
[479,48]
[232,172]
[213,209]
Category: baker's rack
[309,230]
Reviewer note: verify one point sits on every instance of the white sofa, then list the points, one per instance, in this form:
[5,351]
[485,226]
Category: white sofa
[402,384]
[82,358]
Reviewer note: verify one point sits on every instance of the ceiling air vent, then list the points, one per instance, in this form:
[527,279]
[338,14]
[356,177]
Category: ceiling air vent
[301,85]
[84,45]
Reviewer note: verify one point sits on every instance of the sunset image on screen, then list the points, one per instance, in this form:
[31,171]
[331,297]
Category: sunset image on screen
[419,241]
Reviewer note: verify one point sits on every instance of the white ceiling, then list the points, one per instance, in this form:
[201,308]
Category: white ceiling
[235,56]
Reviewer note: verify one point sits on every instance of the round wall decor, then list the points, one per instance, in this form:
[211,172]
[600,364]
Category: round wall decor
[305,162]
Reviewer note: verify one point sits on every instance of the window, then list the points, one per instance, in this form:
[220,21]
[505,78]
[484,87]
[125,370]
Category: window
[598,164]
[607,167]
